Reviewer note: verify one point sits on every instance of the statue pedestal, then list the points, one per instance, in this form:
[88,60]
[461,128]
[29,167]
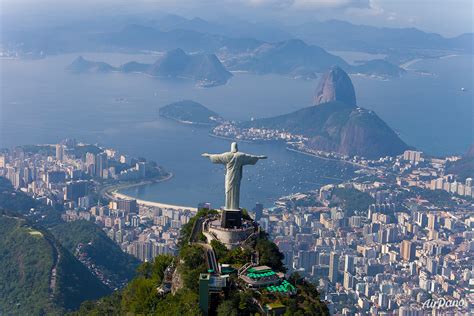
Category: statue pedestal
[231,218]
[230,229]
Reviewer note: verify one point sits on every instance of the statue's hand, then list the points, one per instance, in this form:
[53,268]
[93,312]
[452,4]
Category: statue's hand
[205,155]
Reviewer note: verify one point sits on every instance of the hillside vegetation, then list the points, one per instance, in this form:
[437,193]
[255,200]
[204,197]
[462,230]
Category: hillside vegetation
[140,296]
[38,275]
[28,252]
[116,265]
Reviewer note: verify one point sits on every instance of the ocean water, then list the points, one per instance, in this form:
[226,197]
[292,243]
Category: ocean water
[42,103]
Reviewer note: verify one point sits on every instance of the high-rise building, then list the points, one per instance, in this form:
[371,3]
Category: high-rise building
[348,282]
[27,177]
[334,267]
[349,264]
[306,259]
[407,250]
[15,177]
[55,177]
[383,300]
[75,189]
[258,209]
[432,221]
[59,152]
[468,182]
[90,164]
[84,202]
[129,206]
[432,266]
[101,164]
[412,155]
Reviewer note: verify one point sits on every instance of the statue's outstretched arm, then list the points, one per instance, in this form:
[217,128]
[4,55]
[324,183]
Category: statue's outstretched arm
[252,159]
[217,158]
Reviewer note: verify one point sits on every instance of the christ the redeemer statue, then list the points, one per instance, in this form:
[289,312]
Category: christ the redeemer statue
[234,161]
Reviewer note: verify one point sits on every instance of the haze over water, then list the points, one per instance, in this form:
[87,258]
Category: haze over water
[41,103]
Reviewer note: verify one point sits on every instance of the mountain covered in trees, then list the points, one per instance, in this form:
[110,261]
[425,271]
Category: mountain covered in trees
[335,123]
[205,69]
[42,268]
[298,59]
[39,276]
[141,296]
[464,167]
[189,112]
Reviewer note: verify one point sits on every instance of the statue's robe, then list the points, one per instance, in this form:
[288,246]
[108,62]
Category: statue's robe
[234,161]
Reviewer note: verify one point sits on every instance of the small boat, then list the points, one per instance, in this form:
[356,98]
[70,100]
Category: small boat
[463,89]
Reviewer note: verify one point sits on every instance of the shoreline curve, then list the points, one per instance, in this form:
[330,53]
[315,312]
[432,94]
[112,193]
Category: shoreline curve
[113,192]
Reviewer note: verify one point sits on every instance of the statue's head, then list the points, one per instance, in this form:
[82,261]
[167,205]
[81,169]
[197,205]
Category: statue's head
[234,148]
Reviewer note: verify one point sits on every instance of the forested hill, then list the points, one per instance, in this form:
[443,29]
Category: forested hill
[28,258]
[38,275]
[140,296]
[116,266]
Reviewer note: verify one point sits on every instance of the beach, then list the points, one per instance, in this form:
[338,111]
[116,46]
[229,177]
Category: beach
[112,192]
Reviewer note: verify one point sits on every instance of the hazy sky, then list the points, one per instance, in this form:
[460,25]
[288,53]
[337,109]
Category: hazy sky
[448,18]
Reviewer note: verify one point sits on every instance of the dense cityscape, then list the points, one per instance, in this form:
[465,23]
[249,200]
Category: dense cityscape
[393,238]
[236,158]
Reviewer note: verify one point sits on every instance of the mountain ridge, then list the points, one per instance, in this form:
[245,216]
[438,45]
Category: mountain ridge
[205,69]
[43,277]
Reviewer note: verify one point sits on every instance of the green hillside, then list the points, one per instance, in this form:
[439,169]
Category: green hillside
[464,167]
[38,275]
[189,111]
[140,296]
[117,266]
[75,281]
[335,126]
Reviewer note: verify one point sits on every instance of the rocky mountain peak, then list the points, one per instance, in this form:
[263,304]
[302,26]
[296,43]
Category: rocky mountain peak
[335,85]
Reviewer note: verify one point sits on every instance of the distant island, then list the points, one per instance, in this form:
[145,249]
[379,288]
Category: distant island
[190,112]
[205,69]
[300,60]
[334,124]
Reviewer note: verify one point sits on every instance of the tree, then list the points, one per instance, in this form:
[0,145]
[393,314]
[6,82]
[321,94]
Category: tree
[192,255]
[226,308]
[159,266]
[219,248]
[144,270]
[140,296]
[269,254]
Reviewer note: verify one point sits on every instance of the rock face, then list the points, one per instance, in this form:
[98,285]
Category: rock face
[200,67]
[336,124]
[335,85]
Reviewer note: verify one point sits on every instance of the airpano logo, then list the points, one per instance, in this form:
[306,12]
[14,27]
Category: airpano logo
[442,303]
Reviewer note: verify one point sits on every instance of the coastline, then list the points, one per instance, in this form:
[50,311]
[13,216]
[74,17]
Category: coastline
[243,140]
[327,158]
[113,192]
